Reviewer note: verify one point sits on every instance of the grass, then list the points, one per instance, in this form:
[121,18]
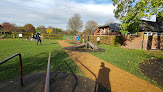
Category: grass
[127,60]
[68,37]
[34,58]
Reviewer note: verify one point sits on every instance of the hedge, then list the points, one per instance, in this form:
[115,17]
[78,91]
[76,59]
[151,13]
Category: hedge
[52,36]
[109,40]
[24,34]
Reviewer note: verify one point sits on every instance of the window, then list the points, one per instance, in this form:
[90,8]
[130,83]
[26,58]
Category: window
[149,33]
[161,34]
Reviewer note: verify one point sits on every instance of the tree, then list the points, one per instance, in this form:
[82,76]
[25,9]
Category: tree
[57,31]
[42,28]
[29,28]
[75,23]
[68,32]
[91,26]
[10,27]
[130,14]
[20,29]
[49,31]
[50,27]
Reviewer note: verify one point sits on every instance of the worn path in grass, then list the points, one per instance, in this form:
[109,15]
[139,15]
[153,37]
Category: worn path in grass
[111,77]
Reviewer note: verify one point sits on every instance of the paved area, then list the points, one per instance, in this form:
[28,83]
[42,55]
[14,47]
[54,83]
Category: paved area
[60,82]
[111,77]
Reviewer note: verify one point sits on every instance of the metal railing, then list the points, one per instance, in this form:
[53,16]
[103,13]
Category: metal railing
[20,60]
[47,80]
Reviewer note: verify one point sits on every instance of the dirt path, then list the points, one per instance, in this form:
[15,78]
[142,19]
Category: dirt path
[111,77]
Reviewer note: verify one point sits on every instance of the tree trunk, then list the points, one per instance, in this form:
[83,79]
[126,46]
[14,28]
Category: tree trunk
[13,35]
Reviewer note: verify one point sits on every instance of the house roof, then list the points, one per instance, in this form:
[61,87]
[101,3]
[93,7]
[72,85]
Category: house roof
[104,26]
[114,26]
[151,26]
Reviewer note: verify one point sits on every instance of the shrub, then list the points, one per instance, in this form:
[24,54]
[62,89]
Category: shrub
[109,40]
[52,36]
[25,35]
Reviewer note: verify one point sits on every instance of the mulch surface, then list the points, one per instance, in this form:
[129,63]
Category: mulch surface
[59,82]
[153,69]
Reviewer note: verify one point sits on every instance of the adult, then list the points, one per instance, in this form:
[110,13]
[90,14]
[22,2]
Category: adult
[38,37]
[98,40]
[78,37]
[33,37]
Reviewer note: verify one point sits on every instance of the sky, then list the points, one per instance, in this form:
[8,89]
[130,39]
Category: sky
[56,13]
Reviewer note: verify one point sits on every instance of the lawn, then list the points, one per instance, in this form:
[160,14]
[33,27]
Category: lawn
[34,58]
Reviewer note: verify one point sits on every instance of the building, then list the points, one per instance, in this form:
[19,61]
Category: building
[111,29]
[150,36]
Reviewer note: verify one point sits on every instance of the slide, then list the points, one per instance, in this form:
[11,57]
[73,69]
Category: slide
[93,46]
[80,46]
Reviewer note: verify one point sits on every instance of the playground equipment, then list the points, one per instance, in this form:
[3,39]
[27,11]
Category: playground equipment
[92,45]
[2,36]
[87,45]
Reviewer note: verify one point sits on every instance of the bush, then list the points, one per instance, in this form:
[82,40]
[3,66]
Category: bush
[109,40]
[52,36]
[25,35]
[68,37]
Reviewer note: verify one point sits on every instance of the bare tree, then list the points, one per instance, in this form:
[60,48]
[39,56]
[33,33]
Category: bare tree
[50,27]
[75,23]
[42,28]
[91,26]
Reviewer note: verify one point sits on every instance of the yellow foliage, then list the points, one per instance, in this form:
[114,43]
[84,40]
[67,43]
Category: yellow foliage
[49,31]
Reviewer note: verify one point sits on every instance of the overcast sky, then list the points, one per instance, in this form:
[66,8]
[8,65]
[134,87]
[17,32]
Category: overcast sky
[55,13]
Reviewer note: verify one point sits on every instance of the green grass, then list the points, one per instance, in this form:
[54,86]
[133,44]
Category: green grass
[127,60]
[68,37]
[34,58]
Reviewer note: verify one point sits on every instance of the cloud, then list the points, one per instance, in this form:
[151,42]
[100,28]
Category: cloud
[54,13]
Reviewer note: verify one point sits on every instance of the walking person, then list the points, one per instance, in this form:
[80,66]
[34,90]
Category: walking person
[98,40]
[38,37]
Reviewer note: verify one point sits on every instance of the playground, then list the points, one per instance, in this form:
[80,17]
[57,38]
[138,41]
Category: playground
[75,67]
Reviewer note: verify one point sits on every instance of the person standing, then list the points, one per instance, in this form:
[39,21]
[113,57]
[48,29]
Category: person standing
[98,40]
[38,37]
[78,38]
